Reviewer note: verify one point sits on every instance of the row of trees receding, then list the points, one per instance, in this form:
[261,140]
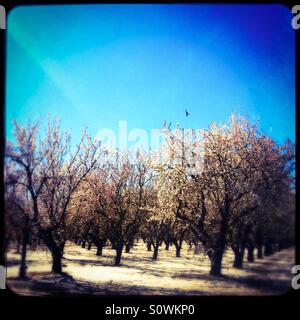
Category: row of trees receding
[228,187]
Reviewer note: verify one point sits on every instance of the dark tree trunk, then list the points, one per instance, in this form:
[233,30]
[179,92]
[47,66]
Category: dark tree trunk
[6,243]
[216,262]
[18,246]
[216,255]
[83,244]
[178,248]
[119,250]
[127,248]
[100,245]
[55,248]
[167,245]
[56,261]
[23,267]
[99,250]
[268,249]
[89,246]
[259,242]
[148,246]
[250,256]
[238,258]
[155,253]
[259,252]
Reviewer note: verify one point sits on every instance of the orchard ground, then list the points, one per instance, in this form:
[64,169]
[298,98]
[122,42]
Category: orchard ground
[86,273]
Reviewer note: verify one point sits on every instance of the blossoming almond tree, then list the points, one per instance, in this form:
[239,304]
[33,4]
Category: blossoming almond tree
[53,172]
[18,213]
[119,191]
[226,186]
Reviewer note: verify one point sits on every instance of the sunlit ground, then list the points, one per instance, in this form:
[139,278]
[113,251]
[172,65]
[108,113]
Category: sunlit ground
[86,273]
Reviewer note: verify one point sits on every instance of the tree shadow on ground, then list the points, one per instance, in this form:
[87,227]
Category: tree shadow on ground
[152,269]
[270,286]
[66,285]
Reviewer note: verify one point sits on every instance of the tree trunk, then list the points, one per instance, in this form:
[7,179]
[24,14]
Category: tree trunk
[216,255]
[56,261]
[18,246]
[238,258]
[83,244]
[148,246]
[216,263]
[23,267]
[119,250]
[250,256]
[155,253]
[167,245]
[259,252]
[89,246]
[99,250]
[259,242]
[6,243]
[100,245]
[127,248]
[268,249]
[178,247]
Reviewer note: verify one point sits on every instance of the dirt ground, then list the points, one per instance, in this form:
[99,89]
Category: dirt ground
[86,273]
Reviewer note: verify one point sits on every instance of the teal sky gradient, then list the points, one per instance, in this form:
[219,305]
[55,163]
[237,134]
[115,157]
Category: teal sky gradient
[94,65]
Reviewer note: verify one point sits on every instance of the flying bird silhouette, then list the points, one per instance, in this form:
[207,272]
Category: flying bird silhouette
[186,113]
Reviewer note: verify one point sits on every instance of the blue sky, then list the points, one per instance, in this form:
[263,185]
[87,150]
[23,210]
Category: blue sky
[95,65]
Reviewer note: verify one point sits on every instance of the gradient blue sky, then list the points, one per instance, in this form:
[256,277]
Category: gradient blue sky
[94,65]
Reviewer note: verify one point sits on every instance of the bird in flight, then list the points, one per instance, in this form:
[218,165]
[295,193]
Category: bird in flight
[186,113]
